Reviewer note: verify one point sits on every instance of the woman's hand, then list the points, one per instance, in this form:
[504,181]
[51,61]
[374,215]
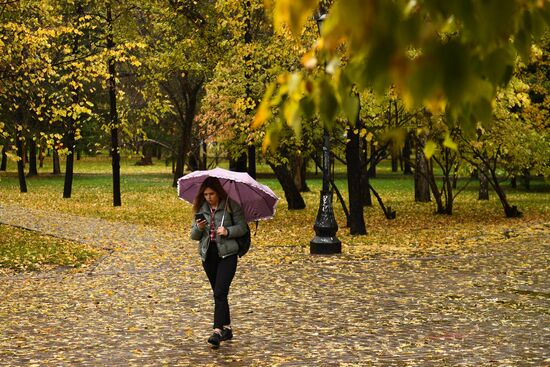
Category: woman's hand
[222,231]
[201,223]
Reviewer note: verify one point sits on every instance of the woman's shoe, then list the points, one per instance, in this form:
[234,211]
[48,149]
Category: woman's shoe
[227,334]
[215,340]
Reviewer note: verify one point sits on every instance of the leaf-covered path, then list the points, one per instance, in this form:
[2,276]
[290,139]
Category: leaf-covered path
[147,302]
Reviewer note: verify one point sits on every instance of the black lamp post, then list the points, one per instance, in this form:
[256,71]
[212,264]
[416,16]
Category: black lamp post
[325,240]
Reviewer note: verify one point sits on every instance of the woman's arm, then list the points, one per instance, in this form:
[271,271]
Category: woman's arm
[238,229]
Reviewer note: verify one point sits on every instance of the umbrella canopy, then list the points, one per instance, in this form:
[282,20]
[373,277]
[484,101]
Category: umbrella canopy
[257,201]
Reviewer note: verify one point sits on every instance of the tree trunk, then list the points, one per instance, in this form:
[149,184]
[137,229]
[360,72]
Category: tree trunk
[366,199]
[21,165]
[252,161]
[388,212]
[299,172]
[55,162]
[69,166]
[483,183]
[147,152]
[4,164]
[238,164]
[372,165]
[180,159]
[513,182]
[33,169]
[448,195]
[25,154]
[407,150]
[115,154]
[394,161]
[440,208]
[41,157]
[303,176]
[421,182]
[204,159]
[526,180]
[353,159]
[509,211]
[293,197]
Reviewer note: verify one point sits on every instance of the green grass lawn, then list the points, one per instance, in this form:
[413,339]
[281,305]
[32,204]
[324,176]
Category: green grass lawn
[148,198]
[25,250]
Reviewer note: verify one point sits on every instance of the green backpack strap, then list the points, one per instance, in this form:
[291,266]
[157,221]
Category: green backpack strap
[233,222]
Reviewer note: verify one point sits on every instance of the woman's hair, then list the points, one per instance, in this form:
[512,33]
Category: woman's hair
[211,183]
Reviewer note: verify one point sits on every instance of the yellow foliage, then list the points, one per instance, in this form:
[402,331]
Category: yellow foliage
[430,149]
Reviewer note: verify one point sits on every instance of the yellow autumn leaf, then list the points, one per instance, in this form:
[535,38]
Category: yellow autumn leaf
[264,110]
[293,13]
[430,149]
[449,143]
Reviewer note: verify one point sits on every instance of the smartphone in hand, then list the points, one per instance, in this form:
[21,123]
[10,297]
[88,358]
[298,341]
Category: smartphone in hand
[199,216]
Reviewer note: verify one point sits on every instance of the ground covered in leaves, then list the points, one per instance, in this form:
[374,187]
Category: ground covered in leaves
[22,250]
[146,301]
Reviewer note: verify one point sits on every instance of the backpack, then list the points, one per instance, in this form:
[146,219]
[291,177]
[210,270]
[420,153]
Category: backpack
[243,241]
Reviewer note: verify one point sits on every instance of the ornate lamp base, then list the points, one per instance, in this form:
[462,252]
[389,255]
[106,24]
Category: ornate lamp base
[325,240]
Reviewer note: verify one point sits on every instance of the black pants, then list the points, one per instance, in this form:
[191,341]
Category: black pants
[220,273]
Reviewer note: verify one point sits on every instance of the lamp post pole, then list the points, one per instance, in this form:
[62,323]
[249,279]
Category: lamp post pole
[325,240]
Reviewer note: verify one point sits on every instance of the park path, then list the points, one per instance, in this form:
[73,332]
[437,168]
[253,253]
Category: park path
[147,302]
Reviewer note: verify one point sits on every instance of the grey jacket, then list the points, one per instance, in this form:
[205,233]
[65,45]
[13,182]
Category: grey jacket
[227,245]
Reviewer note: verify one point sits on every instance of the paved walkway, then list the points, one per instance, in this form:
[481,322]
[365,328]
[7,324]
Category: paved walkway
[148,303]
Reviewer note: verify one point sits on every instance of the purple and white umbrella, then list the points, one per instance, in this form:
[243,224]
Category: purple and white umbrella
[257,201]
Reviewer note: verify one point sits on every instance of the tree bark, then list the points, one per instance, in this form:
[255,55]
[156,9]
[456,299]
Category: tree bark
[509,211]
[299,172]
[293,197]
[204,160]
[388,212]
[4,164]
[69,166]
[353,159]
[21,165]
[407,150]
[421,182]
[55,162]
[366,199]
[180,158]
[41,157]
[372,165]
[238,164]
[394,161]
[147,152]
[526,180]
[483,182]
[115,154]
[252,161]
[33,169]
[440,208]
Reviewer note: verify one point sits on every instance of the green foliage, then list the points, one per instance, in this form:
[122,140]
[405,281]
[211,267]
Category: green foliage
[446,56]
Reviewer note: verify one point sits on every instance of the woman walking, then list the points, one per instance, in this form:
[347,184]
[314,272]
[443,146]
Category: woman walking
[218,221]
